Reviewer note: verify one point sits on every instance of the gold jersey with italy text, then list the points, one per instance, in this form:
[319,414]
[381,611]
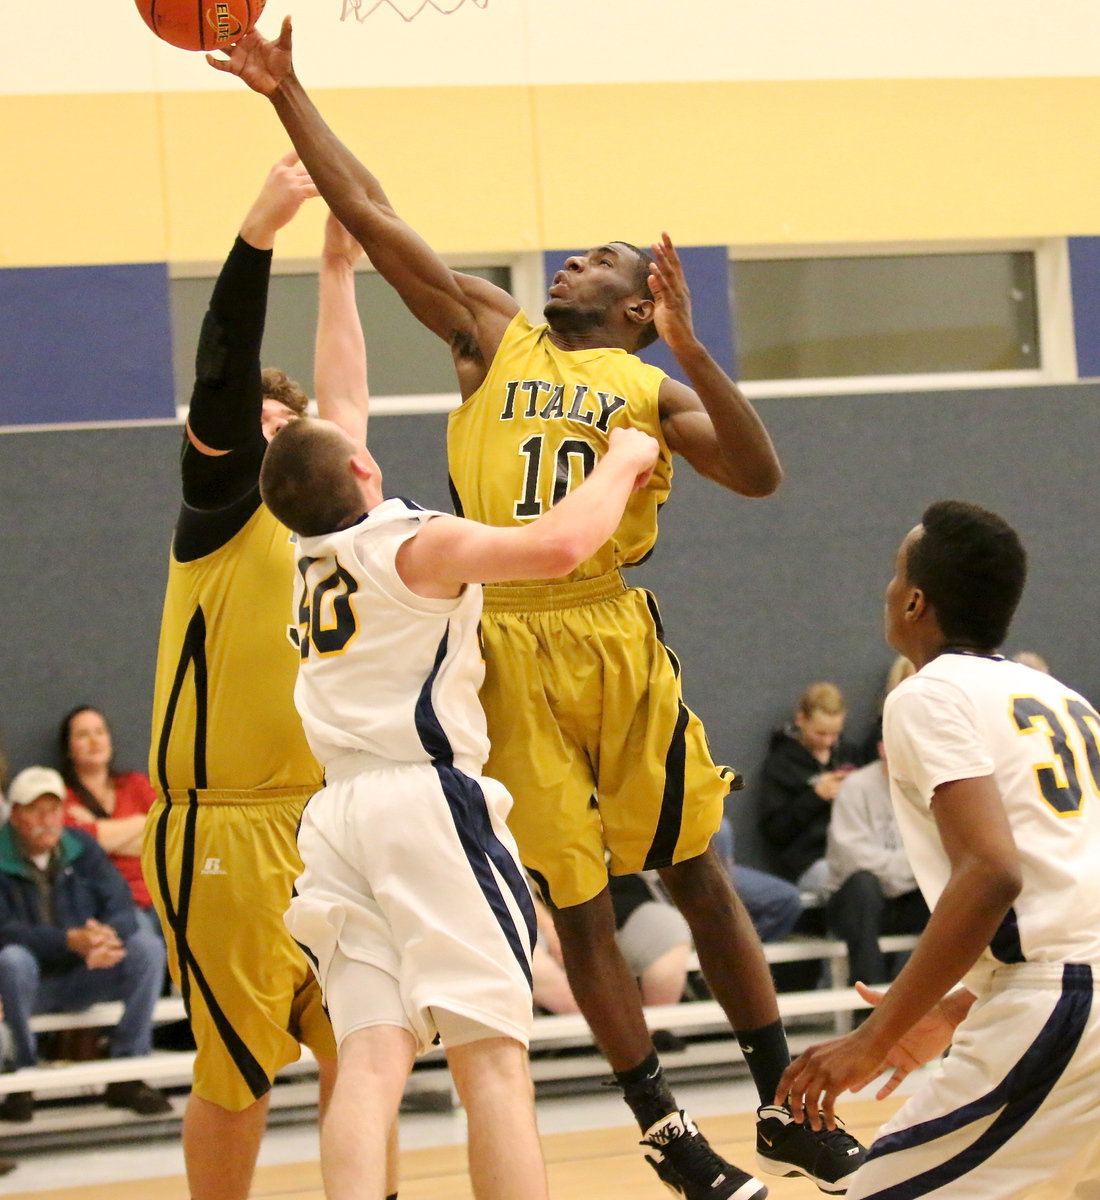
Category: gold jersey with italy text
[541,420]
[224,720]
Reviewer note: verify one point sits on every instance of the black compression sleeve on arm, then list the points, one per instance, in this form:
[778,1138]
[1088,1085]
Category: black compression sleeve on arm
[227,399]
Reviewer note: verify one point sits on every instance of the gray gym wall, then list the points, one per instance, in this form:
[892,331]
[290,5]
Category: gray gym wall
[759,597]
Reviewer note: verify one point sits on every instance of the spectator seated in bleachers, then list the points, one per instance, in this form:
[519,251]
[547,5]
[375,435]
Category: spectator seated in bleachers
[871,886]
[108,804]
[773,904]
[70,937]
[803,769]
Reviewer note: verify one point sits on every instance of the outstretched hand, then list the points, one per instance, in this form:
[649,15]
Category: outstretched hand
[812,1083]
[671,295]
[262,64]
[287,187]
[339,243]
[926,1040]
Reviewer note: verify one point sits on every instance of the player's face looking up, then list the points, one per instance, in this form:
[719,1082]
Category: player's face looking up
[588,284]
[275,416]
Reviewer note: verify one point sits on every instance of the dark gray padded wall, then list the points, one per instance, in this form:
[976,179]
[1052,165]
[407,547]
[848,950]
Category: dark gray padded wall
[762,597]
[758,597]
[83,542]
[86,519]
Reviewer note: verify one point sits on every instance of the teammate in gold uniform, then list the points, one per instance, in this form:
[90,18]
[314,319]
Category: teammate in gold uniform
[588,729]
[228,756]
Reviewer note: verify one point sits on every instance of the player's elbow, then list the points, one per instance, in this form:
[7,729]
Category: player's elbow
[560,553]
[1000,883]
[762,483]
[1011,882]
[760,489]
[363,218]
[756,484]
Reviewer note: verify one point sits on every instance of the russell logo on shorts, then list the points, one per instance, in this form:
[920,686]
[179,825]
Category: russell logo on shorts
[213,866]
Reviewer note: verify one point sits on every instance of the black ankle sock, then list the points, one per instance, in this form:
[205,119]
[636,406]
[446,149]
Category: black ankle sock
[645,1090]
[393,1197]
[766,1053]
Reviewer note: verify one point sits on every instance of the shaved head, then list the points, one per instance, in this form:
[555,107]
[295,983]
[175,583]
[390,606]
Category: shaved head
[307,481]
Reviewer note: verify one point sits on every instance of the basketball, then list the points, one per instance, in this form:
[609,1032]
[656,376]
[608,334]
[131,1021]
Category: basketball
[200,24]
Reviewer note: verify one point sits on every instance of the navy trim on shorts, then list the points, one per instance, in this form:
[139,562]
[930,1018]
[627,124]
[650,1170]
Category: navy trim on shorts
[670,820]
[1018,1095]
[475,832]
[662,849]
[254,1076]
[542,885]
[312,958]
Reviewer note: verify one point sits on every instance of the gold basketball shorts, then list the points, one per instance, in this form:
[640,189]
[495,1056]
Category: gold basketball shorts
[590,734]
[221,872]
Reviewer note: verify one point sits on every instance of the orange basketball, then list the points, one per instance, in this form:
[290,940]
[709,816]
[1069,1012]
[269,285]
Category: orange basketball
[200,24]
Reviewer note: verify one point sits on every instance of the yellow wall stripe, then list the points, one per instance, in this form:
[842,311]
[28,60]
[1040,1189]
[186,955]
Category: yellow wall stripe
[146,177]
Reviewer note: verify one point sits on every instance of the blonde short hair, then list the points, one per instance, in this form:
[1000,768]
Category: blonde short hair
[824,698]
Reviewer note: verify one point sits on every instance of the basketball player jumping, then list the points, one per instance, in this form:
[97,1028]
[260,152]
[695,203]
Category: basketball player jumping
[995,773]
[229,759]
[582,696]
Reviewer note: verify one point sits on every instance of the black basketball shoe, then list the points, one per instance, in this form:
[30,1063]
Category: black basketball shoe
[688,1167]
[785,1146]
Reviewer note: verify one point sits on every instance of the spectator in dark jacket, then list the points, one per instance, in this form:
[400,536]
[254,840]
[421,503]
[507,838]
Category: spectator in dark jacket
[69,937]
[804,767]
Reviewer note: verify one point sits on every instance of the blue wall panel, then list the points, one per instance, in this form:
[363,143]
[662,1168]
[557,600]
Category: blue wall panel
[1084,263]
[85,344]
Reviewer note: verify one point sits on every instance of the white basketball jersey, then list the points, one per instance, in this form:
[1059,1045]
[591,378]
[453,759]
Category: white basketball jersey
[383,670]
[965,716]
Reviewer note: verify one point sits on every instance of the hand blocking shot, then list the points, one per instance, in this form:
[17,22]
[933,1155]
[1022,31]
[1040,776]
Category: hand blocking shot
[412,903]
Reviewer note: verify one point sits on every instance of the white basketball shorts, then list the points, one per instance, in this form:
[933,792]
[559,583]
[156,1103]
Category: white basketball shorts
[410,868]
[1014,1109]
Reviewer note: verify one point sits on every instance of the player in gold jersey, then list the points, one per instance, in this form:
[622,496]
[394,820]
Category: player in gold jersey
[229,758]
[588,728]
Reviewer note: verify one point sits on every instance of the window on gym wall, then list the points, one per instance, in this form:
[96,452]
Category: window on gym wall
[406,360]
[945,316]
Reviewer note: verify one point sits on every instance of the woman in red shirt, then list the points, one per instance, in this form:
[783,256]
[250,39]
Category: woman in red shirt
[108,804]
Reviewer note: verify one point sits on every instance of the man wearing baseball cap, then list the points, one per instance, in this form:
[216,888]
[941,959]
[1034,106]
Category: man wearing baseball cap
[69,937]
